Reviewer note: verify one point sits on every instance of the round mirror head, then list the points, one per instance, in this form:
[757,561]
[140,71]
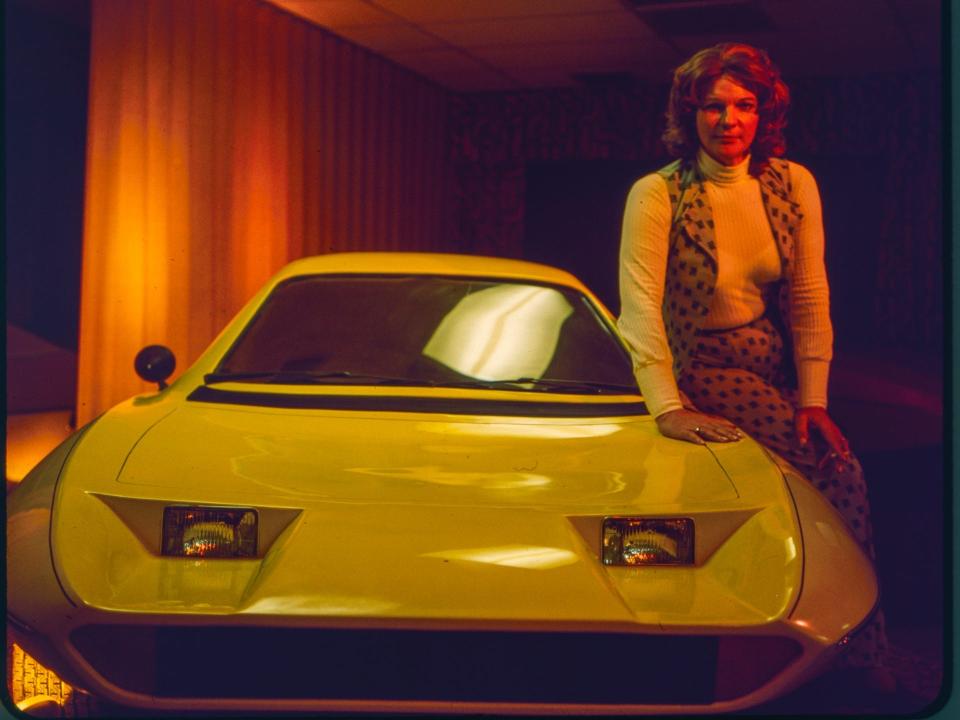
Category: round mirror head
[155,363]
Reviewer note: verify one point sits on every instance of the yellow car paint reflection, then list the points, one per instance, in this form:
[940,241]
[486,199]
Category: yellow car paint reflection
[427,480]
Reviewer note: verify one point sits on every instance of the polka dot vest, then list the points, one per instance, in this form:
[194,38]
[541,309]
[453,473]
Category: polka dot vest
[692,261]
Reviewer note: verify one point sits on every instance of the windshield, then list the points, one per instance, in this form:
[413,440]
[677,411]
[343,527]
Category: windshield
[433,331]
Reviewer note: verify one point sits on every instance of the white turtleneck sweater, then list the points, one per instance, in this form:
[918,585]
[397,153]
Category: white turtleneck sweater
[747,259]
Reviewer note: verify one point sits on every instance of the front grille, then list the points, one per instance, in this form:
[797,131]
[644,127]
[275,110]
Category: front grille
[297,663]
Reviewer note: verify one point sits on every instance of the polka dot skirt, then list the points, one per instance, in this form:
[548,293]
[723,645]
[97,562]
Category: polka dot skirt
[738,374]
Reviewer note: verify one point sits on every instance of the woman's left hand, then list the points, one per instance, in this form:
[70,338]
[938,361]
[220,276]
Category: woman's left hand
[818,419]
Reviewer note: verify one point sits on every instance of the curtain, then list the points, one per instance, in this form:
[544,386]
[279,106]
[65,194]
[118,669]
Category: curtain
[226,138]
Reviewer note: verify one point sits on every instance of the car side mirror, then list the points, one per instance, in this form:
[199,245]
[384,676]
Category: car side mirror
[155,363]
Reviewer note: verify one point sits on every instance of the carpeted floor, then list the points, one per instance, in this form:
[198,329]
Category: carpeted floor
[894,421]
[917,672]
[919,685]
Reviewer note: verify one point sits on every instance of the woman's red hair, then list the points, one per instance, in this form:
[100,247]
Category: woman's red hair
[747,66]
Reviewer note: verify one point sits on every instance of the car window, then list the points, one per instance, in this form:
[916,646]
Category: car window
[425,330]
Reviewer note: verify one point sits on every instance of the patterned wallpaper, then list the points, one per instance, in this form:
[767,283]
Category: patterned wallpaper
[889,124]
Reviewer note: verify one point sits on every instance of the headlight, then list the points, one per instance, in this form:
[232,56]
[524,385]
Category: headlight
[647,541]
[209,532]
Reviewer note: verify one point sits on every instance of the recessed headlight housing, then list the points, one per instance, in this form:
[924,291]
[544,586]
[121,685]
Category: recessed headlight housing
[209,532]
[634,541]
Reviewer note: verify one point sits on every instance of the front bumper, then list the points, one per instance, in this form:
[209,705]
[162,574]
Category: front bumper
[137,662]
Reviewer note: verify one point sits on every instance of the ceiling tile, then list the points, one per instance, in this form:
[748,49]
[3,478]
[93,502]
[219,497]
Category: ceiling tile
[585,56]
[426,11]
[791,15]
[823,14]
[440,60]
[695,19]
[338,13]
[841,52]
[596,27]
[544,43]
[385,39]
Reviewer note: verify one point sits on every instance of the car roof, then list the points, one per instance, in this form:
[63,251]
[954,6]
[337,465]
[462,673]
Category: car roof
[389,263]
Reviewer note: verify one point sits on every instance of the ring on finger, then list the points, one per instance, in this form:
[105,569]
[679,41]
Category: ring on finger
[697,429]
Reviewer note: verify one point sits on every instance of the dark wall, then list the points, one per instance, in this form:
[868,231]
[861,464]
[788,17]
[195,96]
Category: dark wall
[875,144]
[47,51]
[572,218]
[544,175]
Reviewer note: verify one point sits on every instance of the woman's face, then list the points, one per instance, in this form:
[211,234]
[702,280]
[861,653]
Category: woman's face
[727,121]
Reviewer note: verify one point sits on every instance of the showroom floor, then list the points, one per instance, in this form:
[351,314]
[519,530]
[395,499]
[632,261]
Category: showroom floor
[892,415]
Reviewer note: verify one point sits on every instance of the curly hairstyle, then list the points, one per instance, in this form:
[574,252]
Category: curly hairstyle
[747,66]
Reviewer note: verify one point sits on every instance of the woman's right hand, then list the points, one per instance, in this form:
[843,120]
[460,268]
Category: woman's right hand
[697,427]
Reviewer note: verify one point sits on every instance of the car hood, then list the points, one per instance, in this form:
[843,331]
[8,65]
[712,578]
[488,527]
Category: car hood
[416,517]
[414,458]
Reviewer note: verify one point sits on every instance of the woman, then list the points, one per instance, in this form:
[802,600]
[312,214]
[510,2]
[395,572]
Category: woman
[725,303]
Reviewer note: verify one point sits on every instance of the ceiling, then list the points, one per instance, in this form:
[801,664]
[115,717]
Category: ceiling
[479,45]
[482,45]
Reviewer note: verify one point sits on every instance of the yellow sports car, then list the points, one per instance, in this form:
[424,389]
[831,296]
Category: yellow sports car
[421,483]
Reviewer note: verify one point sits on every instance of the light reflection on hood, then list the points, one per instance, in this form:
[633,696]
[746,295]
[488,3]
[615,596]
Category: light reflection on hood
[553,431]
[438,476]
[530,557]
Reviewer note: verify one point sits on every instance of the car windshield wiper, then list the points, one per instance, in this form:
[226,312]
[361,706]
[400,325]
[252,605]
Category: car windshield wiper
[573,386]
[281,377]
[291,377]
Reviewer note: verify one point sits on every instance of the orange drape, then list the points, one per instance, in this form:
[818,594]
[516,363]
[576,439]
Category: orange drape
[226,138]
